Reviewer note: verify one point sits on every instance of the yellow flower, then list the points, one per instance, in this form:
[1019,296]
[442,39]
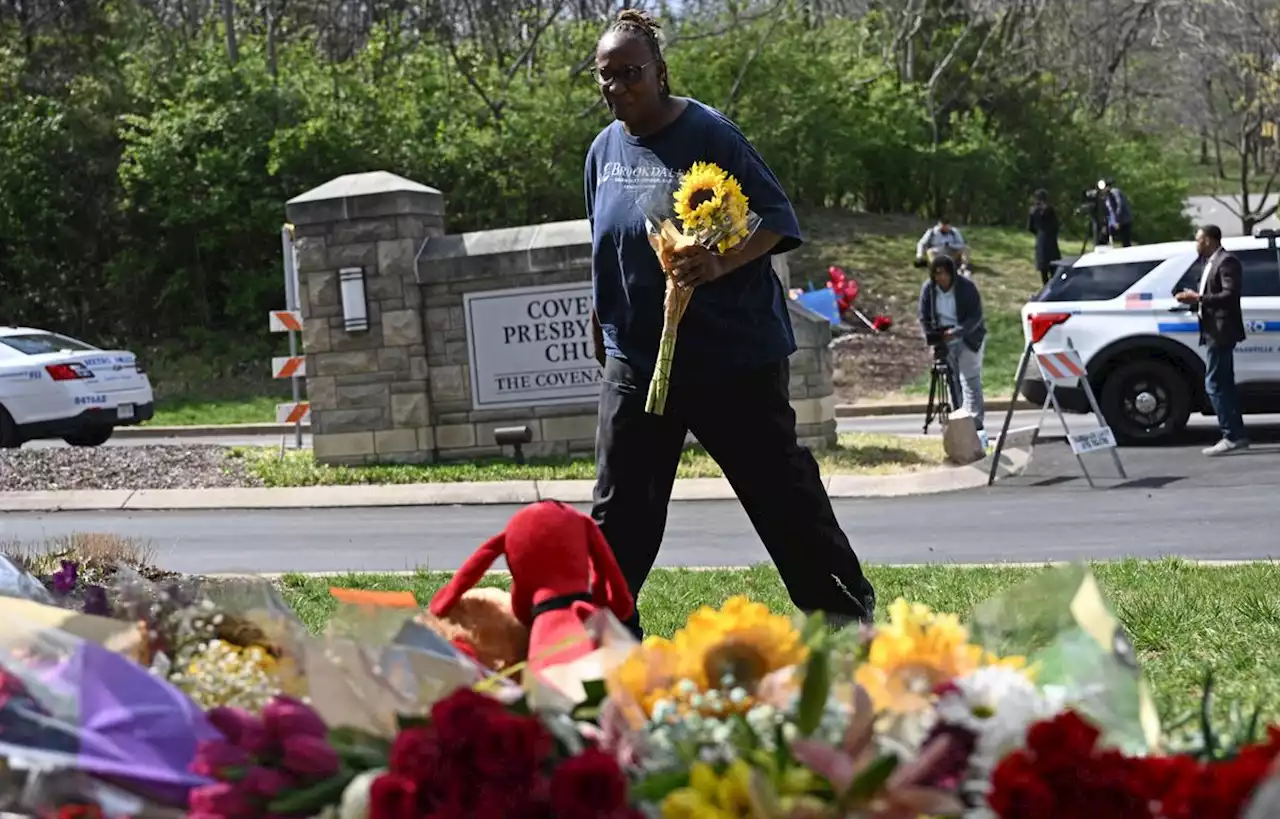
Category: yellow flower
[743,640]
[700,196]
[710,795]
[914,652]
[736,212]
[711,205]
[644,677]
[734,647]
[220,673]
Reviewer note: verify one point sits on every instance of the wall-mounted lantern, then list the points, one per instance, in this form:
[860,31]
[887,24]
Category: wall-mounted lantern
[355,306]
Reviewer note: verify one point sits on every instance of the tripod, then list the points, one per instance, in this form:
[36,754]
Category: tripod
[941,379]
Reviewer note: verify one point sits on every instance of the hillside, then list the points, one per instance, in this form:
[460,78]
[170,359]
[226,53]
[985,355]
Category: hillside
[878,251]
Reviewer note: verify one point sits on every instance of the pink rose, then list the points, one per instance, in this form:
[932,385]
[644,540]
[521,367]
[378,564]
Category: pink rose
[217,759]
[286,717]
[221,799]
[241,728]
[311,757]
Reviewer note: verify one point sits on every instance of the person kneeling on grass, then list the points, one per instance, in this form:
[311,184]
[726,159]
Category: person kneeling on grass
[952,304]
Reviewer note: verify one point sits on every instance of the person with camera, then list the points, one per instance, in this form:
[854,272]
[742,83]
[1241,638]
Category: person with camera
[950,312]
[1119,214]
[943,239]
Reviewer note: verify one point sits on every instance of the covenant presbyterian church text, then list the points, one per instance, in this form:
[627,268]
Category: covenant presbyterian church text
[562,324]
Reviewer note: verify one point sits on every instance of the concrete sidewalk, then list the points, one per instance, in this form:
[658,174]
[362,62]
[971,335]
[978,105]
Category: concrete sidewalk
[946,479]
[866,410]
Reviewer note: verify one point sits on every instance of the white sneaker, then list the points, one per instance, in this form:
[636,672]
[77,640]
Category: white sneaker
[1224,446]
[982,439]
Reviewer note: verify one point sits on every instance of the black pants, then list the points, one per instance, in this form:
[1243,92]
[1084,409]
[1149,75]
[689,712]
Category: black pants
[1123,235]
[745,422]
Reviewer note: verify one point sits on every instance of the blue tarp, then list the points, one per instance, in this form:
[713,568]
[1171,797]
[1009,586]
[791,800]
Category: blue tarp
[823,302]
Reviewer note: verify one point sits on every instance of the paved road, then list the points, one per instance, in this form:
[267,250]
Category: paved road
[1175,503]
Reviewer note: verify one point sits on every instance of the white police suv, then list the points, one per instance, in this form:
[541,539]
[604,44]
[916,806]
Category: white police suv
[1141,349]
[52,386]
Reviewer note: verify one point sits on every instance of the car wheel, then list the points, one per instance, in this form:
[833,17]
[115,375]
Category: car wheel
[8,431]
[90,437]
[1146,402]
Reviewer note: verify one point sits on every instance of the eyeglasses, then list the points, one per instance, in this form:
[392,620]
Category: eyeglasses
[629,75]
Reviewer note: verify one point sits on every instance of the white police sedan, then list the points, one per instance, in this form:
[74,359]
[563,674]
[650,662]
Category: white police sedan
[52,386]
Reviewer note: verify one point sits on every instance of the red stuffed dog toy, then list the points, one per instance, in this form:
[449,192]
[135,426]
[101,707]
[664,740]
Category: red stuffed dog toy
[562,572]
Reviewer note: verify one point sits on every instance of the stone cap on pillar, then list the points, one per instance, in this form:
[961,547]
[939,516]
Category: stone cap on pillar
[364,196]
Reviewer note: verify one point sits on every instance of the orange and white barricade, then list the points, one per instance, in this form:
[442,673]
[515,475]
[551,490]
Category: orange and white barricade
[289,320]
[1064,368]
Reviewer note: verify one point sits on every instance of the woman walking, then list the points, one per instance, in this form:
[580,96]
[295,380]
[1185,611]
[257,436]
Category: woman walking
[730,379]
[1043,222]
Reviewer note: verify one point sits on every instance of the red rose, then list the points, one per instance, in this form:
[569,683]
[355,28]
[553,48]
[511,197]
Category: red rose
[1017,789]
[511,748]
[1061,741]
[460,716]
[393,796]
[588,786]
[415,753]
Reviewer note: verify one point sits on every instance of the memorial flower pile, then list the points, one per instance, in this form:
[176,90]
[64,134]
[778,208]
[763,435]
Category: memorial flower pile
[743,713]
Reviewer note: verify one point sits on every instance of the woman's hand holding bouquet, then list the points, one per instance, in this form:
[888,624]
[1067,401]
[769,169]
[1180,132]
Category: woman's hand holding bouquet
[707,215]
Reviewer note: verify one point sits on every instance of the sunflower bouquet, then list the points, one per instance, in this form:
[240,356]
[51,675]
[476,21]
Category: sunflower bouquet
[706,209]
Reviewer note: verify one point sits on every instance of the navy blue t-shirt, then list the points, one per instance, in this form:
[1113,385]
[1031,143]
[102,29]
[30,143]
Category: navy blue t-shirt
[734,323]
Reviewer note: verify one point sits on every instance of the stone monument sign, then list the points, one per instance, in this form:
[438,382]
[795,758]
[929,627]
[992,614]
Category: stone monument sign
[466,333]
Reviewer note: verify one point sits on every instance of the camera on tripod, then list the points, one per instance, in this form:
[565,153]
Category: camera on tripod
[1092,204]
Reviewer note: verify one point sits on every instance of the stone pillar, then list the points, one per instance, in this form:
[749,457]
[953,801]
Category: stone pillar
[782,267]
[812,387]
[369,393]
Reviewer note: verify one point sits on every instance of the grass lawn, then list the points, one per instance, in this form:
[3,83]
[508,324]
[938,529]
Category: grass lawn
[857,453]
[193,412]
[878,252]
[1184,619]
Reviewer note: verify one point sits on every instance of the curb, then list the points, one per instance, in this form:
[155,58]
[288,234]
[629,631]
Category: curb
[144,432]
[841,411]
[917,408]
[488,493]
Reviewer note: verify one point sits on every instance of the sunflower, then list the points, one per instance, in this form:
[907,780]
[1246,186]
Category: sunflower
[644,678]
[916,651]
[712,665]
[743,641]
[734,222]
[711,206]
[700,197]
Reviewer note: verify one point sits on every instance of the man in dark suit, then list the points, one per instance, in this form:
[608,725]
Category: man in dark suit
[1221,329]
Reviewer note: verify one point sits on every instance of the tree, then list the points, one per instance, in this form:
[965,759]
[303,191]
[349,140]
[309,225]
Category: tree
[1233,46]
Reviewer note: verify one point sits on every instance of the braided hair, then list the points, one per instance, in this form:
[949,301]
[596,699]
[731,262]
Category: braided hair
[635,21]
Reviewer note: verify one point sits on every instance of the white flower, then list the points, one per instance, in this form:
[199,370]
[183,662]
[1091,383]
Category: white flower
[355,798]
[998,705]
